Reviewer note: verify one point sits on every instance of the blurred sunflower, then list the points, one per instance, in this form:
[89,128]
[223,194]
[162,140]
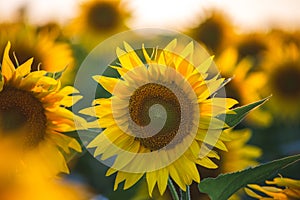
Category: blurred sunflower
[98,20]
[30,185]
[286,37]
[245,85]
[282,67]
[176,136]
[33,115]
[239,156]
[49,54]
[215,32]
[252,46]
[284,189]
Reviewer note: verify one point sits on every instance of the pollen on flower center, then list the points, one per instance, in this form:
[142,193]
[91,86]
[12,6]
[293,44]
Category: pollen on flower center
[21,113]
[151,94]
[141,101]
[103,16]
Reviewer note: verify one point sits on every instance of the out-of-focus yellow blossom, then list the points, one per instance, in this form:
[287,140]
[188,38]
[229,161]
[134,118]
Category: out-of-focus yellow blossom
[239,155]
[98,20]
[278,189]
[252,46]
[30,184]
[49,54]
[282,68]
[245,85]
[215,32]
[33,116]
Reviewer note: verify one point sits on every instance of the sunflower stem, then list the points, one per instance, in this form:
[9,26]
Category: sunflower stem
[186,195]
[180,194]
[172,190]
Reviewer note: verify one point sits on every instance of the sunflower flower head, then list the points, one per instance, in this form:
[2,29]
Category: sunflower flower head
[280,188]
[97,20]
[33,115]
[252,46]
[215,31]
[160,120]
[282,67]
[49,54]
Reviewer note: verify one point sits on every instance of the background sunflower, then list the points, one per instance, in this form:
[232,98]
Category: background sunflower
[33,117]
[97,20]
[49,53]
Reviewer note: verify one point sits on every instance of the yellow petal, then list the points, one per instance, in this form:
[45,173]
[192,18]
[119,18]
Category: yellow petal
[206,162]
[65,142]
[176,177]
[107,83]
[211,137]
[252,194]
[133,56]
[207,122]
[124,59]
[147,57]
[162,180]
[151,178]
[208,89]
[204,66]
[131,179]
[25,68]
[171,46]
[7,65]
[121,144]
[121,176]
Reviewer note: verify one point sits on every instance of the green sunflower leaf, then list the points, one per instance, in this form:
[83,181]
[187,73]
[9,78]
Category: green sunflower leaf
[227,184]
[232,119]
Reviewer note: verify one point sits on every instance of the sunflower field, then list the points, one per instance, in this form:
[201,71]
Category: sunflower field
[141,100]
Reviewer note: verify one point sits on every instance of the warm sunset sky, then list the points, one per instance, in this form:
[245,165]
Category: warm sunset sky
[249,14]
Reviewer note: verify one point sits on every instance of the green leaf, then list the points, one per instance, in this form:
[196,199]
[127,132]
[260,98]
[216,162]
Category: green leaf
[222,187]
[232,119]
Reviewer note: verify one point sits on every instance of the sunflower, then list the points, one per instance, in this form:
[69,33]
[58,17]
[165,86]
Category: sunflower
[284,189]
[161,119]
[33,115]
[246,83]
[239,156]
[252,46]
[98,20]
[282,67]
[31,185]
[49,54]
[215,31]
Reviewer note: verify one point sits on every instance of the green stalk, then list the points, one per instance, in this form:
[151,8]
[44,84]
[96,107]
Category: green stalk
[172,190]
[187,195]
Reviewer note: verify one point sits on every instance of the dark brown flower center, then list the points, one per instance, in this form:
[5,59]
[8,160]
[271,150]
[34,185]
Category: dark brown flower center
[286,80]
[103,17]
[22,115]
[152,94]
